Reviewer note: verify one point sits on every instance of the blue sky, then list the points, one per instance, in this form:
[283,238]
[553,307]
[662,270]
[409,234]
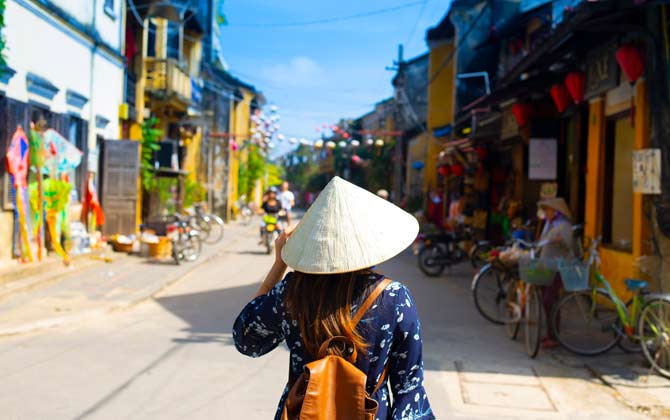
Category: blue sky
[320,73]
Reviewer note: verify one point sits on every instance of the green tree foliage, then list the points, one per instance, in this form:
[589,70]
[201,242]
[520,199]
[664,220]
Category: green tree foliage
[299,173]
[317,182]
[194,192]
[275,174]
[251,171]
[150,139]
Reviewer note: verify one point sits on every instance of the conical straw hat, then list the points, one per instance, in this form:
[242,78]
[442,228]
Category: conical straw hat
[557,204]
[346,229]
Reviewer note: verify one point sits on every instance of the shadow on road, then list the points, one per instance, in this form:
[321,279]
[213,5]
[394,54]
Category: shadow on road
[250,252]
[209,314]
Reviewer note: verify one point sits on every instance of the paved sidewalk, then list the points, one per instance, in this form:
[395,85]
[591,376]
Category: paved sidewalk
[96,289]
[484,374]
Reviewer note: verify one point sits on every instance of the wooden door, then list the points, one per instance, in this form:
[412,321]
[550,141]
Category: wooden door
[119,171]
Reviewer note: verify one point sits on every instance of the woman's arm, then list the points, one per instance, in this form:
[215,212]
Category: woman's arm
[278,268]
[258,327]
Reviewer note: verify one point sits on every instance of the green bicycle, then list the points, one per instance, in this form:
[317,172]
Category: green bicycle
[590,320]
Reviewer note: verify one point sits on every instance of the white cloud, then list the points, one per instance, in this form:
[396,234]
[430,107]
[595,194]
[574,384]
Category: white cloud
[299,71]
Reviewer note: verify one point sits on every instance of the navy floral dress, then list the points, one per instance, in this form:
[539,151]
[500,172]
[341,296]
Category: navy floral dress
[391,328]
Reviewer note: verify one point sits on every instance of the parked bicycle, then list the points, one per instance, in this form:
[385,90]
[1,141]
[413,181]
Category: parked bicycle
[591,320]
[245,212]
[489,285]
[209,225]
[523,301]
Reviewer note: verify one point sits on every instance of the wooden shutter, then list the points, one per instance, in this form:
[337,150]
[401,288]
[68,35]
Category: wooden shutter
[120,164]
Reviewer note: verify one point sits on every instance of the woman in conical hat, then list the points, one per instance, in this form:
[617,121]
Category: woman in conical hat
[345,232]
[557,235]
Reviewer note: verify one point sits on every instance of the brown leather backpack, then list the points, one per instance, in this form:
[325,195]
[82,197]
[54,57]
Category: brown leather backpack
[332,387]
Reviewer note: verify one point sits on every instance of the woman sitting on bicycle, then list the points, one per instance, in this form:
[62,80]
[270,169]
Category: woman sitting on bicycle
[557,233]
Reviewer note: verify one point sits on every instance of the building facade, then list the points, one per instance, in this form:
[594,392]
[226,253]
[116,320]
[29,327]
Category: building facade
[65,69]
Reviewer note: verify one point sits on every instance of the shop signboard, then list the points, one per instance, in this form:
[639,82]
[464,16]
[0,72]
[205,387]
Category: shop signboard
[647,171]
[602,71]
[542,156]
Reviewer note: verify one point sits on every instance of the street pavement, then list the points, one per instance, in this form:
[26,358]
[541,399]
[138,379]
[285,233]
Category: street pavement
[172,356]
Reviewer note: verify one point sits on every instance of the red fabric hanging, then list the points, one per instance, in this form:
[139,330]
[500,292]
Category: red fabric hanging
[92,203]
[561,97]
[631,62]
[575,83]
[521,112]
[131,47]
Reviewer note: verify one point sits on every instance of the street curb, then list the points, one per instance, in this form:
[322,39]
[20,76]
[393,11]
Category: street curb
[86,315]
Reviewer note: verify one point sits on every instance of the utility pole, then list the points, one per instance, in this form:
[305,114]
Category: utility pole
[399,86]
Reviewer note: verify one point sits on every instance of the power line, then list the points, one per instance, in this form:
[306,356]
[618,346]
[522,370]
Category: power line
[416,24]
[450,57]
[331,19]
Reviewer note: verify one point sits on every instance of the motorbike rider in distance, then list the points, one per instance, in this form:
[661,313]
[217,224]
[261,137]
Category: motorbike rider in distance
[271,207]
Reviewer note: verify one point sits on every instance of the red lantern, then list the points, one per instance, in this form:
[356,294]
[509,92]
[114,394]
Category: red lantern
[521,112]
[481,152]
[443,170]
[575,83]
[561,96]
[631,62]
[345,135]
[457,169]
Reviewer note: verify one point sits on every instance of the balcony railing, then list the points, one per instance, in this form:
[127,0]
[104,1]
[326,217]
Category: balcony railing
[167,80]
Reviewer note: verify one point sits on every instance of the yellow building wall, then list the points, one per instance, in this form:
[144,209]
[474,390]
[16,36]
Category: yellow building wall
[616,265]
[441,96]
[240,124]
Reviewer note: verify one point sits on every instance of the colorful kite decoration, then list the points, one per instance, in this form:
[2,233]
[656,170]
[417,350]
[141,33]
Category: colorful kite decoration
[17,166]
[62,155]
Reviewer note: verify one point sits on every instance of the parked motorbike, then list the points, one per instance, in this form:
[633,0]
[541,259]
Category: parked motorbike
[186,241]
[270,231]
[436,251]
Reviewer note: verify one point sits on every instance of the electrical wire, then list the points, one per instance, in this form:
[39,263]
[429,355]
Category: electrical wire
[461,41]
[416,24]
[330,19]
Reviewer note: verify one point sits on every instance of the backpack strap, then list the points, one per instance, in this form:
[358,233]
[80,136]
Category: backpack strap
[370,300]
[382,379]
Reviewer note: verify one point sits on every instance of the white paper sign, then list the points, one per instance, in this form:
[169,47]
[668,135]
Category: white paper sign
[542,156]
[647,171]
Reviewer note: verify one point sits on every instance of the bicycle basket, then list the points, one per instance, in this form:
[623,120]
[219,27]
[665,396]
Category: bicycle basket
[574,275]
[538,271]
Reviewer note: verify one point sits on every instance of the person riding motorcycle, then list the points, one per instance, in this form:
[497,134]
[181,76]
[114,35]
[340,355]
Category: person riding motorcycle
[271,207]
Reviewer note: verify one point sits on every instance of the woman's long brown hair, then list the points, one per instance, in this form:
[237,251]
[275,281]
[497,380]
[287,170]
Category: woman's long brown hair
[321,304]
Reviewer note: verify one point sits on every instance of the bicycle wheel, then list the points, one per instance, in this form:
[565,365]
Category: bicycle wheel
[629,344]
[532,321]
[215,233]
[654,333]
[201,224]
[489,289]
[427,257]
[513,312]
[192,248]
[175,253]
[585,325]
